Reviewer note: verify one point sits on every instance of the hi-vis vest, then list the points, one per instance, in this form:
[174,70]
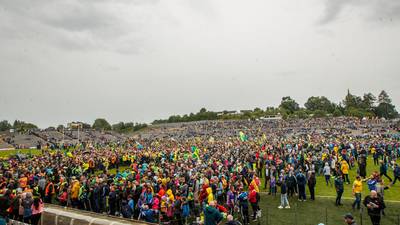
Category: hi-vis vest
[48,191]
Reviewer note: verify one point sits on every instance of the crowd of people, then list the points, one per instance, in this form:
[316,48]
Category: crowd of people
[205,172]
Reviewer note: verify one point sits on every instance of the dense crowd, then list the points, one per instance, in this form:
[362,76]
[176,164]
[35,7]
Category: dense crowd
[207,170]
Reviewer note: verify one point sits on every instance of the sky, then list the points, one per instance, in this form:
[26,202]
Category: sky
[140,60]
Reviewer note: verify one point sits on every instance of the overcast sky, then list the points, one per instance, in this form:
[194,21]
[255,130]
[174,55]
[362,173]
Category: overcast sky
[140,60]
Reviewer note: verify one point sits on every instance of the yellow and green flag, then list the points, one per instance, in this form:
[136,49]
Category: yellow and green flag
[242,136]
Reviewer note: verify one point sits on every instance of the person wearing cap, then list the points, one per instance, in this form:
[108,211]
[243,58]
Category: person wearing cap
[375,205]
[349,219]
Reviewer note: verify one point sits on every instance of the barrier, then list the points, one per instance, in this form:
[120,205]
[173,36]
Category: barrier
[14,222]
[55,215]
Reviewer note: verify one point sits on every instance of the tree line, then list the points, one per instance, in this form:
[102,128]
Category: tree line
[367,105]
[100,124]
[19,126]
[316,106]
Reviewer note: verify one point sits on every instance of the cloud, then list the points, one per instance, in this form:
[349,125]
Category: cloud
[373,10]
[77,25]
[332,10]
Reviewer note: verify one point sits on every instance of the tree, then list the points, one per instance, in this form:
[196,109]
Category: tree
[118,127]
[368,102]
[301,114]
[21,126]
[352,101]
[337,112]
[319,113]
[289,105]
[5,125]
[122,127]
[101,124]
[319,103]
[60,128]
[385,107]
[384,98]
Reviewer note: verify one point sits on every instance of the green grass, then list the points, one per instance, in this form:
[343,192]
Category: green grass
[322,210]
[392,193]
[8,153]
[322,189]
[114,170]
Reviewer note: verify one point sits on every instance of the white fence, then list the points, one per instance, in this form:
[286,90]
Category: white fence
[14,222]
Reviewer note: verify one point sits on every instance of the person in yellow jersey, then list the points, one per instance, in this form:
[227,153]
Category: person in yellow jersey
[345,171]
[357,190]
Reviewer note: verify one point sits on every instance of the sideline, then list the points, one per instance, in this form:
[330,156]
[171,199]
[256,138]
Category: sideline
[346,198]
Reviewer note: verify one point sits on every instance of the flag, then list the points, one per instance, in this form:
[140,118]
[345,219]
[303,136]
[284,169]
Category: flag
[195,152]
[242,136]
[69,154]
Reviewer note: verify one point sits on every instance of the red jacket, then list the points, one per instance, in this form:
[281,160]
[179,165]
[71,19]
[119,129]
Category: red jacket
[222,209]
[253,196]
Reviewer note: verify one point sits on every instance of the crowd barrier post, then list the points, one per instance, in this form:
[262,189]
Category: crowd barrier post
[326,216]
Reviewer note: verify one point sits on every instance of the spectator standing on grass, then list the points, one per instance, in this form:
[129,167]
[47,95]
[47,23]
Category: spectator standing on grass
[291,184]
[344,168]
[272,186]
[301,182]
[244,206]
[383,170]
[396,173]
[339,190]
[284,199]
[357,190]
[375,205]
[312,181]
[253,199]
[267,177]
[327,174]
